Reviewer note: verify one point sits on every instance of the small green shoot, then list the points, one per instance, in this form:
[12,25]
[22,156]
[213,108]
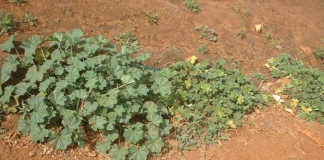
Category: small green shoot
[6,22]
[269,35]
[319,52]
[129,41]
[203,49]
[30,19]
[206,33]
[241,33]
[260,76]
[192,5]
[152,17]
[236,8]
[248,13]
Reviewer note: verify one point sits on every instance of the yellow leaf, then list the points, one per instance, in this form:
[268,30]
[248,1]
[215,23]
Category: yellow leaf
[294,102]
[192,59]
[231,123]
[307,109]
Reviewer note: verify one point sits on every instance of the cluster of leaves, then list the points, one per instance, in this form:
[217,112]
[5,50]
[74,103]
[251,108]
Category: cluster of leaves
[69,85]
[207,99]
[260,76]
[30,19]
[203,49]
[306,89]
[6,22]
[129,41]
[209,34]
[152,17]
[192,5]
[319,52]
[18,2]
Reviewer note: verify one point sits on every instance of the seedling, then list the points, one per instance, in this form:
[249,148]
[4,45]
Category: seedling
[30,19]
[319,52]
[6,22]
[260,76]
[206,33]
[236,8]
[18,2]
[241,33]
[202,49]
[192,5]
[152,17]
[269,35]
[129,41]
[248,13]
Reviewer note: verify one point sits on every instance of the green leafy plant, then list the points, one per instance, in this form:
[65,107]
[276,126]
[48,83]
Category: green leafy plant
[260,76]
[241,33]
[208,99]
[30,19]
[6,22]
[72,84]
[319,52]
[206,33]
[306,89]
[18,2]
[129,41]
[192,5]
[202,49]
[236,8]
[152,17]
[247,13]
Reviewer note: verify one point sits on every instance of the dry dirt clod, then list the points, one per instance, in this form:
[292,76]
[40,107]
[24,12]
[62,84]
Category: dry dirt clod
[258,28]
[32,154]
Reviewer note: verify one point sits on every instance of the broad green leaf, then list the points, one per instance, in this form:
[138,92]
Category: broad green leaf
[127,79]
[142,90]
[117,153]
[24,125]
[143,57]
[39,116]
[7,94]
[43,86]
[107,144]
[162,86]
[134,133]
[89,108]
[58,97]
[141,154]
[155,118]
[63,140]
[97,122]
[33,75]
[38,134]
[8,45]
[155,145]
[36,102]
[74,36]
[8,67]
[22,88]
[30,45]
[70,119]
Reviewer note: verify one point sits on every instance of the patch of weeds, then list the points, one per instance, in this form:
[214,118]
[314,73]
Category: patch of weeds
[202,49]
[275,44]
[208,99]
[241,33]
[306,89]
[319,52]
[176,50]
[6,22]
[129,41]
[192,5]
[269,35]
[247,13]
[152,17]
[18,2]
[30,19]
[260,76]
[206,33]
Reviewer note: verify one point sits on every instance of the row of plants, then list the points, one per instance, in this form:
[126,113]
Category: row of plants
[306,88]
[66,86]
